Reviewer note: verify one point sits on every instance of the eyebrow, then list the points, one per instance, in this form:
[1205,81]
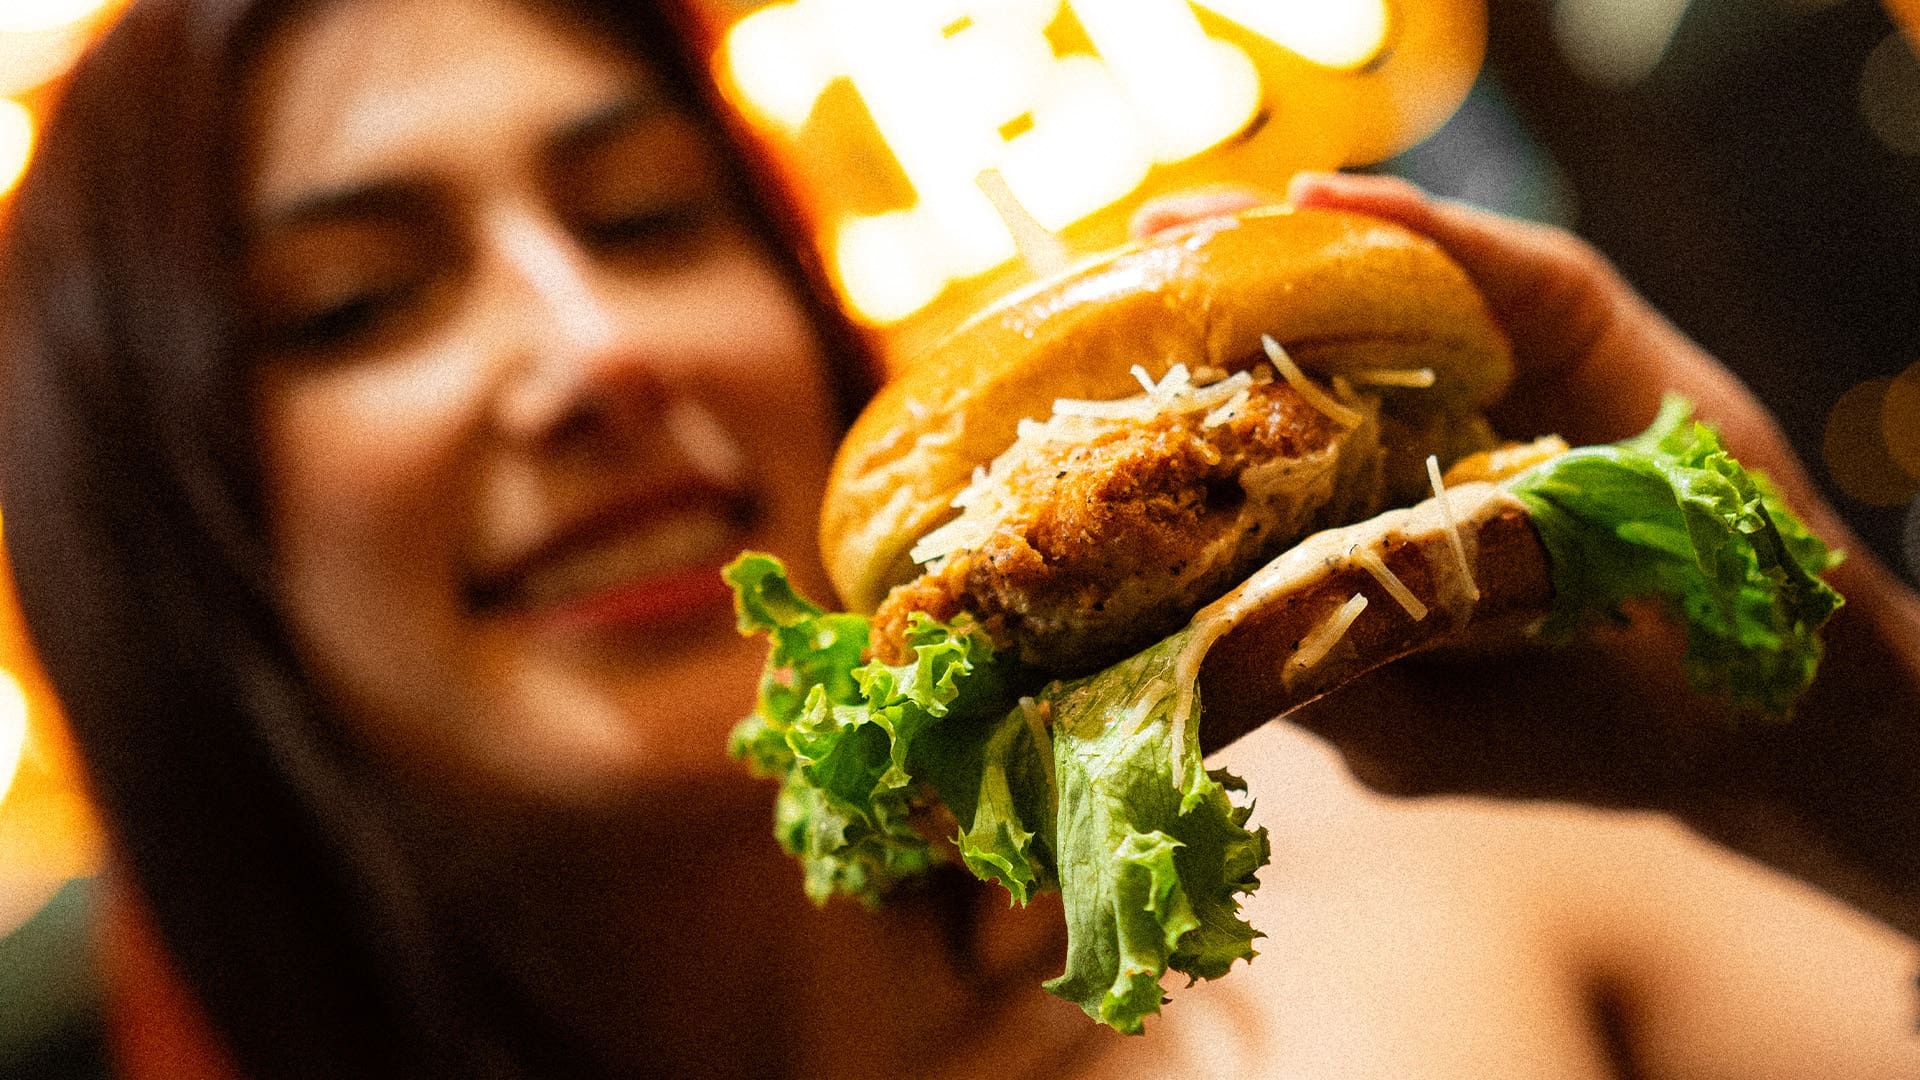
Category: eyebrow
[615,118]
[383,198]
[370,201]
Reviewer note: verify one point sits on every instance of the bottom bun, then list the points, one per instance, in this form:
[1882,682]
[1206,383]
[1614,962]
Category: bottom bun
[1305,633]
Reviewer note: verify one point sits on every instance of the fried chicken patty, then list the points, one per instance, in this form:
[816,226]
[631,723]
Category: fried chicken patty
[1107,534]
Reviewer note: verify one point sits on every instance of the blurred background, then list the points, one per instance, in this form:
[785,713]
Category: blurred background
[1753,166]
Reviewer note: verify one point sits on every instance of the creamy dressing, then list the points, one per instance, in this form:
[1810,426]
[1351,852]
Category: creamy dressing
[1325,553]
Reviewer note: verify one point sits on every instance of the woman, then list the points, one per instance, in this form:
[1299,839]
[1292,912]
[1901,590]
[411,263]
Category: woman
[554,243]
[384,391]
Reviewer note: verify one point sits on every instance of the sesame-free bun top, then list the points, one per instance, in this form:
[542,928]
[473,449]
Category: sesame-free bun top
[1341,292]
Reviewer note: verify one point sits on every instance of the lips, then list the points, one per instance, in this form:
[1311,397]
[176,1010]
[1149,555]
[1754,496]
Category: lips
[648,559]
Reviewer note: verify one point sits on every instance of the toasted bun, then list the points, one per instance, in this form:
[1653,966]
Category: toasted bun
[1340,291]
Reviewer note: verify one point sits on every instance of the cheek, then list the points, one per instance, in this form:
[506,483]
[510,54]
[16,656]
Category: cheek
[363,466]
[363,482]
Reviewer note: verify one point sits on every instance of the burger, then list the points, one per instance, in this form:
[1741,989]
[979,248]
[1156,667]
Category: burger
[1136,510]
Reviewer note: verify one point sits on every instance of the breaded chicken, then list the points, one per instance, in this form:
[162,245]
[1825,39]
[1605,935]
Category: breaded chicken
[1094,536]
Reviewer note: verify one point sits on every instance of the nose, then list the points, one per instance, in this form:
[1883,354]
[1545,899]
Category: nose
[573,374]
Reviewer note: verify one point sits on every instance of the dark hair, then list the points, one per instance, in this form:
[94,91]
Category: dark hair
[133,519]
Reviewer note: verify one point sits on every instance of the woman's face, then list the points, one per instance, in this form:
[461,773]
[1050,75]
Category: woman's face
[526,383]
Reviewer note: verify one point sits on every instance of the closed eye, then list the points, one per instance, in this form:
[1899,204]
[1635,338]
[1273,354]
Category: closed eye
[357,320]
[667,230]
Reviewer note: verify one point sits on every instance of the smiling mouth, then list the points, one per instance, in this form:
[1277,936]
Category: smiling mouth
[647,561]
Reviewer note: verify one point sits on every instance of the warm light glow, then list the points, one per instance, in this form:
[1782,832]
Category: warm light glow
[1189,90]
[13,728]
[1333,33]
[1073,105]
[29,16]
[776,58]
[16,142]
[885,265]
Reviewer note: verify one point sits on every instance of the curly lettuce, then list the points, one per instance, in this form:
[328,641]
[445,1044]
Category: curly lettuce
[1669,516]
[1077,786]
[1070,789]
[1152,865]
[839,733]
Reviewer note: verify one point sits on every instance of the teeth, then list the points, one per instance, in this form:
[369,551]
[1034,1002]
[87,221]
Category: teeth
[658,548]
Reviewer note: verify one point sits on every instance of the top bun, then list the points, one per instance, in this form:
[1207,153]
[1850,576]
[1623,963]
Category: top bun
[1341,292]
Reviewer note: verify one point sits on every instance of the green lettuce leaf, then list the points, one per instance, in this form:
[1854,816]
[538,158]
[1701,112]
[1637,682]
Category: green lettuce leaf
[1668,516]
[1151,865]
[997,782]
[839,733]
[1076,787]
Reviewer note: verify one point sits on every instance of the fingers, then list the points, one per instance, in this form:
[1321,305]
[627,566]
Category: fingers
[1173,211]
[1593,357]
[1555,295]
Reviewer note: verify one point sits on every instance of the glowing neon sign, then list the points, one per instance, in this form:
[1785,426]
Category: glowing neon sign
[936,140]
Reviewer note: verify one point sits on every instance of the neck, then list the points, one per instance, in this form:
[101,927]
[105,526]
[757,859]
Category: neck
[673,938]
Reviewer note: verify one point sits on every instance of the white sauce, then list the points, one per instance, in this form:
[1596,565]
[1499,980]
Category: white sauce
[1324,553]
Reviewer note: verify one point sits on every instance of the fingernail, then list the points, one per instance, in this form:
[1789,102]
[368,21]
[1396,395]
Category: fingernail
[1304,183]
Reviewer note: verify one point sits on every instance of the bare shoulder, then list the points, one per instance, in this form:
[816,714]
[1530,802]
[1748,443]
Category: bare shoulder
[1463,937]
[1719,966]
[1402,940]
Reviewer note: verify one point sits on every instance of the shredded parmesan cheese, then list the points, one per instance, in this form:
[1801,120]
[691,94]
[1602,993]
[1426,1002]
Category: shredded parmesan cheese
[1316,645]
[1453,528]
[1304,386]
[1228,411]
[1390,581]
[1418,378]
[1076,420]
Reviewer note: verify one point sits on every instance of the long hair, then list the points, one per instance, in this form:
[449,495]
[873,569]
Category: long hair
[135,526]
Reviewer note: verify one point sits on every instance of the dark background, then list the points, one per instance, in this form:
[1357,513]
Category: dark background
[1732,177]
[1736,182]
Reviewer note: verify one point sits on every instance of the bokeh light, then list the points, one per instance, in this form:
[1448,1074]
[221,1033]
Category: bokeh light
[1857,447]
[13,728]
[16,142]
[1890,94]
[1616,43]
[30,16]
[1910,540]
[1900,419]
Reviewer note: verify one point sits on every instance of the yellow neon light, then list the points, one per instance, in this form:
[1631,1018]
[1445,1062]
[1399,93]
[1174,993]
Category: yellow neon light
[960,89]
[16,142]
[13,728]
[1189,90]
[886,264]
[777,59]
[31,16]
[1332,34]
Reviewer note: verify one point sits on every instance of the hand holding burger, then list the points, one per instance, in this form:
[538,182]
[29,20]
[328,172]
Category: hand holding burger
[1174,493]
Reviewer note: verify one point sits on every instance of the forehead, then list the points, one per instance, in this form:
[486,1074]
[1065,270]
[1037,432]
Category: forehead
[361,89]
